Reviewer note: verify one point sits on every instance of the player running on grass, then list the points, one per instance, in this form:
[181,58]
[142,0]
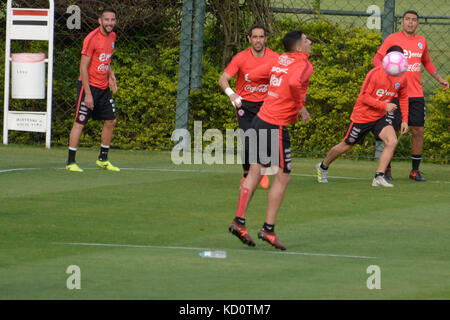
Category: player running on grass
[416,51]
[249,96]
[289,79]
[373,111]
[94,95]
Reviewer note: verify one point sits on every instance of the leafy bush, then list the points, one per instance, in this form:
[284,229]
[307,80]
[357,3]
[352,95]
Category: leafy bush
[437,126]
[148,81]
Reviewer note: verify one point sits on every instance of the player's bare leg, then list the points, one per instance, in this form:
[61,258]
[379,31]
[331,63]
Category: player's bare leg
[417,148]
[237,227]
[107,133]
[388,136]
[275,197]
[335,152]
[75,135]
[74,139]
[263,181]
[417,139]
[248,188]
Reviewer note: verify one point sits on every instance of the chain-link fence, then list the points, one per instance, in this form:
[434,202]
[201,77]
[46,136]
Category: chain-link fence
[384,17]
[168,49]
[434,22]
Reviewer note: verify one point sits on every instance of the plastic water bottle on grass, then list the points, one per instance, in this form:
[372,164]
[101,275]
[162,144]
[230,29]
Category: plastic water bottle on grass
[213,254]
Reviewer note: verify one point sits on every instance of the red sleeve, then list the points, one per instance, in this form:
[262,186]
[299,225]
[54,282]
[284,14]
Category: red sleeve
[426,61]
[403,99]
[381,52]
[377,59]
[88,46]
[233,66]
[298,84]
[366,90]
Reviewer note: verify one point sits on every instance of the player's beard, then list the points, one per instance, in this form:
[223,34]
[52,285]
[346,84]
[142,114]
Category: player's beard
[409,28]
[258,48]
[107,29]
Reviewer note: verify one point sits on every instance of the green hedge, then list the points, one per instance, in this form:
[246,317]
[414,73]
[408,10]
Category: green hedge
[437,126]
[147,81]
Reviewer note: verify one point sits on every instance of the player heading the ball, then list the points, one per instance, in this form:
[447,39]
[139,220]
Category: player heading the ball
[373,111]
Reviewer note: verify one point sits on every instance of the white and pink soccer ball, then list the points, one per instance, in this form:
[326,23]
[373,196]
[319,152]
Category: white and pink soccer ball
[395,63]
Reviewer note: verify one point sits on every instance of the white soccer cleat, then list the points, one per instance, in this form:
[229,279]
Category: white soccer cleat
[321,174]
[380,181]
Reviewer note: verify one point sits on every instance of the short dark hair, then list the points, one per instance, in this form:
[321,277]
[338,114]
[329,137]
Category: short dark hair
[107,10]
[411,11]
[256,26]
[394,48]
[291,39]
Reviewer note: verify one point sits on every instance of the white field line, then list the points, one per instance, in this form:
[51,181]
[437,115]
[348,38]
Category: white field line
[211,171]
[218,171]
[195,248]
[18,169]
[221,171]
[205,171]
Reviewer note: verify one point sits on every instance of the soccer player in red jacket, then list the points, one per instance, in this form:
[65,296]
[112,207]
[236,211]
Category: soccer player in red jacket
[373,111]
[249,96]
[285,100]
[416,51]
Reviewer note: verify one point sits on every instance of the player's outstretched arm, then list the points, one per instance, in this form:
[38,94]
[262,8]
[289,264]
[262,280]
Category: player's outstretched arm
[441,80]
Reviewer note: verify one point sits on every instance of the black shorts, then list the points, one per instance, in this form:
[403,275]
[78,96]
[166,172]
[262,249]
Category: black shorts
[245,115]
[104,106]
[273,147]
[416,113]
[357,131]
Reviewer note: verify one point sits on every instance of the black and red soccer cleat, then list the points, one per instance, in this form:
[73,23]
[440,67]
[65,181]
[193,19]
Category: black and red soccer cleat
[415,175]
[240,231]
[270,237]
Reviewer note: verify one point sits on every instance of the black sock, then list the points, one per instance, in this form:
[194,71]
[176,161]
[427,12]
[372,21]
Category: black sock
[239,220]
[323,166]
[72,154]
[377,174]
[103,153]
[389,165]
[416,161]
[245,175]
[269,227]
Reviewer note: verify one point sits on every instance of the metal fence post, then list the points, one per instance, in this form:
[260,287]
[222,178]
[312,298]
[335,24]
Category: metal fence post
[197,44]
[182,111]
[388,18]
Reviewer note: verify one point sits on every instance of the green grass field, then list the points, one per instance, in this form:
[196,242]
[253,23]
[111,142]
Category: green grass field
[146,225]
